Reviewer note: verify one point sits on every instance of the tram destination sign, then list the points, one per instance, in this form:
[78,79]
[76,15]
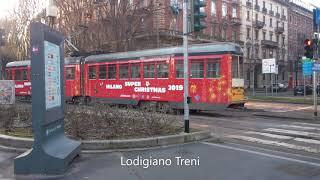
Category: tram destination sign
[52,151]
[316,66]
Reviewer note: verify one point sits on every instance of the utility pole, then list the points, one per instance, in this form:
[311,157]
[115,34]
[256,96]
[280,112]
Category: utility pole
[185,66]
[252,52]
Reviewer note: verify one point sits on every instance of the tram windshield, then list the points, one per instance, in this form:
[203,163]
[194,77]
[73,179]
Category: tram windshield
[237,67]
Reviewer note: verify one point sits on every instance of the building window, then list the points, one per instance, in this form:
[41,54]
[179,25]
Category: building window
[277,38]
[283,12]
[124,71]
[270,53]
[102,72]
[179,69]
[256,2]
[264,53]
[264,4]
[234,35]
[135,70]
[277,9]
[234,11]
[283,75]
[92,72]
[271,35]
[112,71]
[213,8]
[224,9]
[213,68]
[248,15]
[248,75]
[197,68]
[264,19]
[148,70]
[283,40]
[248,33]
[248,52]
[270,22]
[162,70]
[264,35]
[224,34]
[257,17]
[257,34]
[271,6]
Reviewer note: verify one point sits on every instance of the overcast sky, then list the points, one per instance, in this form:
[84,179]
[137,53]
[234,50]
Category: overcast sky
[8,5]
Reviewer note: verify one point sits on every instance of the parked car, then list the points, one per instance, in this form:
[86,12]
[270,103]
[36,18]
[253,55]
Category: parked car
[279,87]
[299,90]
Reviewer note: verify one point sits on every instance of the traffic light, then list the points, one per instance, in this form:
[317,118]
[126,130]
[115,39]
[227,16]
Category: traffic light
[308,48]
[199,15]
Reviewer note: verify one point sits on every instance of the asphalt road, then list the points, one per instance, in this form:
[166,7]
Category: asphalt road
[216,161]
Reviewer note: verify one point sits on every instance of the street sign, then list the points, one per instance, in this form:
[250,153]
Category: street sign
[316,67]
[268,65]
[52,151]
[307,65]
[316,16]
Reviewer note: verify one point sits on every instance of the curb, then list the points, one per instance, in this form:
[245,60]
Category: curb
[286,117]
[16,144]
[283,101]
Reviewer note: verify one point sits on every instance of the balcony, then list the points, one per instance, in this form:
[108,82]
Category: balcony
[269,43]
[271,12]
[235,1]
[259,24]
[264,10]
[235,21]
[279,30]
[278,15]
[257,7]
[283,17]
[248,4]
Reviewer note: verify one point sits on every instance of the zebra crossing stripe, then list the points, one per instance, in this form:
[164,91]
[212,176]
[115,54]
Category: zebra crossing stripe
[292,132]
[275,143]
[300,127]
[311,141]
[269,135]
[307,124]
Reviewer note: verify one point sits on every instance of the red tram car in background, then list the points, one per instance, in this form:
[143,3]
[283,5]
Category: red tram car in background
[154,78]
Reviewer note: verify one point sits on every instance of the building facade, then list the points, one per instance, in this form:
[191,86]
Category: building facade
[300,25]
[264,30]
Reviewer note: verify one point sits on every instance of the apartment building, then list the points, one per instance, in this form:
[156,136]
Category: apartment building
[264,31]
[300,27]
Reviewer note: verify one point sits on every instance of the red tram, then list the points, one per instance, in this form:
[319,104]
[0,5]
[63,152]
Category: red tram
[154,77]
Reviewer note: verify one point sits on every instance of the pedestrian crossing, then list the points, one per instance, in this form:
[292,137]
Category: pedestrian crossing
[294,136]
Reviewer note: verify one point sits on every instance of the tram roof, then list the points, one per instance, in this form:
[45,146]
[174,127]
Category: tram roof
[18,63]
[196,49]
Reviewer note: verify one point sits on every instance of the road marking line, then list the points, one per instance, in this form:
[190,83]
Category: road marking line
[300,127]
[312,141]
[275,143]
[263,154]
[292,132]
[269,135]
[308,124]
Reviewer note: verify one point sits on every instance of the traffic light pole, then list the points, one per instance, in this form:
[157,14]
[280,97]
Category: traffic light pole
[185,66]
[315,94]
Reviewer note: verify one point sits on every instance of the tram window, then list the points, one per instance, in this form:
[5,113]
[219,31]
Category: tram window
[213,68]
[102,72]
[162,70]
[179,69]
[124,71]
[92,72]
[196,70]
[148,70]
[17,75]
[112,71]
[24,74]
[8,75]
[70,71]
[135,70]
[241,67]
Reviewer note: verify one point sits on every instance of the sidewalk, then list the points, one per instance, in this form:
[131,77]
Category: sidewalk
[291,115]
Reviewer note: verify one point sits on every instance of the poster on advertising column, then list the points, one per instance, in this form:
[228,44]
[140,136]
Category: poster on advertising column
[52,75]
